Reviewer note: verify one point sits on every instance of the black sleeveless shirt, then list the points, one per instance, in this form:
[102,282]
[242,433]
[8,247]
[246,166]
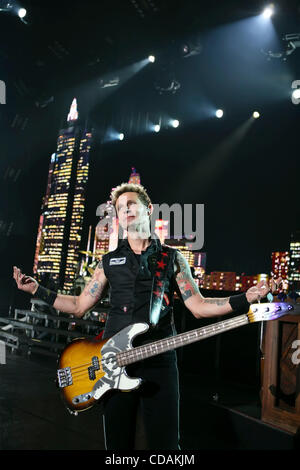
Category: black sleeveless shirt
[130,278]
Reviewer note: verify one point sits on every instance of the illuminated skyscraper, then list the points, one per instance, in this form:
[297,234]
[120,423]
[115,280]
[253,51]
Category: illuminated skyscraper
[61,220]
[134,177]
[294,269]
[280,266]
[220,280]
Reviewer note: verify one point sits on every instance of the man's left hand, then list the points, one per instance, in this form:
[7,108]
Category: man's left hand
[261,289]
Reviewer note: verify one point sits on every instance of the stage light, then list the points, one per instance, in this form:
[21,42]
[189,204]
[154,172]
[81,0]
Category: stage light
[296,94]
[191,48]
[175,123]
[256,114]
[121,136]
[151,58]
[268,11]
[185,49]
[219,113]
[22,12]
[157,128]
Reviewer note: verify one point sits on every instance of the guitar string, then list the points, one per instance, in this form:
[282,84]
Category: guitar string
[133,353]
[84,372]
[234,322]
[80,366]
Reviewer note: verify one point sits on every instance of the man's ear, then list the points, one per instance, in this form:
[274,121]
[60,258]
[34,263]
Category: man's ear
[150,209]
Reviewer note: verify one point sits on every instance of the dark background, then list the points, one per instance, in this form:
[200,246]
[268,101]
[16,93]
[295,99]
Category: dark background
[245,171]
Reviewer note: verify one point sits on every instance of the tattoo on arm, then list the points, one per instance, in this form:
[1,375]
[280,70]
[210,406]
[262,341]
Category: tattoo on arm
[184,278]
[188,286]
[216,301]
[95,287]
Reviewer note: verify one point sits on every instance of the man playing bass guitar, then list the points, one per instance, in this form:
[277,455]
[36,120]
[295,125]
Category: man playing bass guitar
[130,270]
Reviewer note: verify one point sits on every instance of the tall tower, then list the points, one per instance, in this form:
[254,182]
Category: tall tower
[294,268]
[280,261]
[134,177]
[61,220]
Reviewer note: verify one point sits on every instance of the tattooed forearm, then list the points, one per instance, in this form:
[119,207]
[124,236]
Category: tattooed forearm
[200,306]
[184,278]
[222,301]
[95,286]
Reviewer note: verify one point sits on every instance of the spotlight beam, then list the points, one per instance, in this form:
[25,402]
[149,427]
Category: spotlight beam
[209,168]
[110,82]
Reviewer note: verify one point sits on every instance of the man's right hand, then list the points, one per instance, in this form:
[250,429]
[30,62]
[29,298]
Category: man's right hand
[25,283]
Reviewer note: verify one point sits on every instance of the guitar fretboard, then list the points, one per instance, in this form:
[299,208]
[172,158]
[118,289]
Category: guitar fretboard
[167,344]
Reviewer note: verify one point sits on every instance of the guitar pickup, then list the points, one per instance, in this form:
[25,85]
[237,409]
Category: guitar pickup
[92,369]
[95,362]
[64,377]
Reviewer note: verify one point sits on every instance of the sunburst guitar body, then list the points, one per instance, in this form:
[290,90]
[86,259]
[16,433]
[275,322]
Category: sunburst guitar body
[90,368]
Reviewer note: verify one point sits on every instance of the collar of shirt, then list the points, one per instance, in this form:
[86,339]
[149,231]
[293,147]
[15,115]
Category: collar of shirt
[155,244]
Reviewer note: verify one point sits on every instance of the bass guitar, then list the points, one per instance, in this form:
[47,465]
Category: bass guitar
[90,368]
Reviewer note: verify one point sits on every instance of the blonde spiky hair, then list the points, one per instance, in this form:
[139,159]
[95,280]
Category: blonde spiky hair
[132,188]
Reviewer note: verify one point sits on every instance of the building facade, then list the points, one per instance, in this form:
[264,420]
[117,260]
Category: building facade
[62,213]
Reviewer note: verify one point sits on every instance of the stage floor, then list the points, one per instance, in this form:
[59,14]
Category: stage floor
[33,417]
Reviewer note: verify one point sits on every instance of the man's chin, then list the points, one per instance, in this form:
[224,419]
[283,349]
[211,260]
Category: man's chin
[131,227]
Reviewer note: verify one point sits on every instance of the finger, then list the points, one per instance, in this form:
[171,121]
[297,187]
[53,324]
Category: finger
[22,279]
[276,284]
[262,285]
[15,272]
[19,277]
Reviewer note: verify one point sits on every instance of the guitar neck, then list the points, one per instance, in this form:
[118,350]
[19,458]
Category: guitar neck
[173,342]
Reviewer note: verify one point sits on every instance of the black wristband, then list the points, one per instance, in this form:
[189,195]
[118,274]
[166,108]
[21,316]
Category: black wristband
[239,302]
[46,295]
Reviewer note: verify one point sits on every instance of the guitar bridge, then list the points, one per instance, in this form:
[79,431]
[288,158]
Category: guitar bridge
[64,377]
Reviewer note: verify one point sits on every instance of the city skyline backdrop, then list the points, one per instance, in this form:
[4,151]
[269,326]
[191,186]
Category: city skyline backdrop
[60,260]
[244,170]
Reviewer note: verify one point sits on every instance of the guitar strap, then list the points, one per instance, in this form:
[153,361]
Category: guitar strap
[163,261]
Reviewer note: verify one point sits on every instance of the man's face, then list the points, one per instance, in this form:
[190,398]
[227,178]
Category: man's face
[131,211]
